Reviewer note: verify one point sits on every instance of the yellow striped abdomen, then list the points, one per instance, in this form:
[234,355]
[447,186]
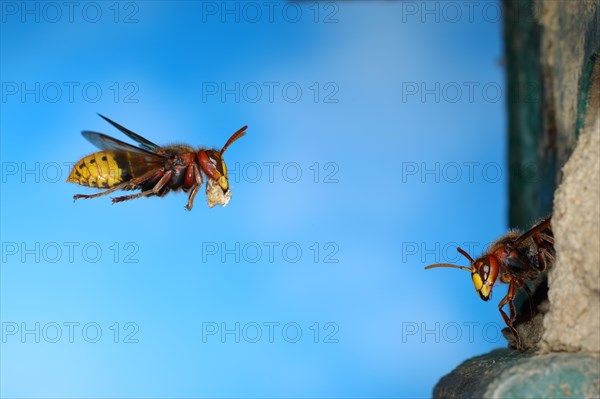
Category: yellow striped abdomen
[99,169]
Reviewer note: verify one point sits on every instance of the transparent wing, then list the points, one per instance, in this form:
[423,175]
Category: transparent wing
[538,228]
[108,143]
[144,143]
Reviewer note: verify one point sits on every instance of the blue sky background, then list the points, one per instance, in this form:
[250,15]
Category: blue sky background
[386,327]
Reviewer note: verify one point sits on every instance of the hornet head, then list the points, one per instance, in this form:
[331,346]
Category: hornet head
[213,165]
[484,272]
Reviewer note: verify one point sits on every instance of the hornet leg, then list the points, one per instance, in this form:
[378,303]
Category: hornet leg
[198,179]
[121,186]
[154,191]
[510,296]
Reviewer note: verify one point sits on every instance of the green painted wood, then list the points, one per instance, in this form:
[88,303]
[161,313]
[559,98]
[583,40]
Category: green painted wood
[505,373]
[524,95]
